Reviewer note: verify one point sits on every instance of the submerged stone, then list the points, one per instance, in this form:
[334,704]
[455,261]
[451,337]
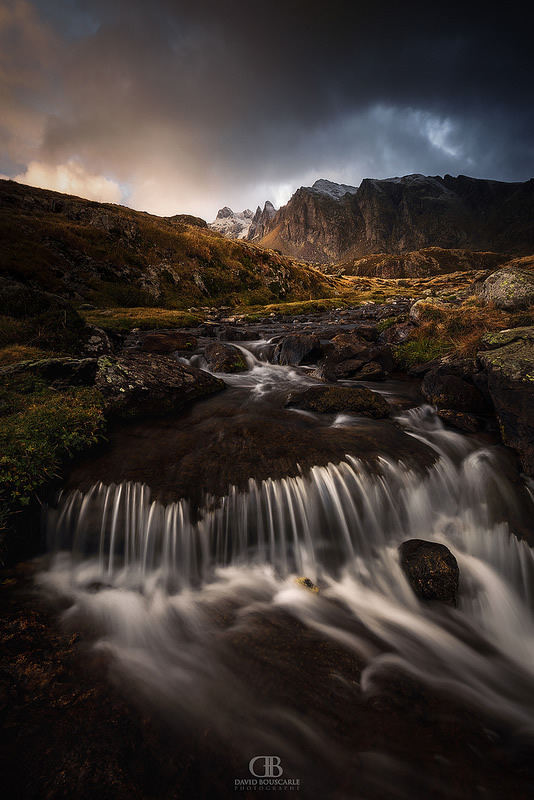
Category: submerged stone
[431,569]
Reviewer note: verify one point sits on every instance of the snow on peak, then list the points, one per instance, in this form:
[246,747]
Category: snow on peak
[234,224]
[331,189]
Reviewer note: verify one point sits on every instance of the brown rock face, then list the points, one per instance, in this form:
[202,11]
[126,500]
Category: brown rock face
[399,215]
[431,569]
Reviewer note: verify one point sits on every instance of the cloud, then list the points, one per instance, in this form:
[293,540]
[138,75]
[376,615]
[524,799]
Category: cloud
[71,178]
[199,105]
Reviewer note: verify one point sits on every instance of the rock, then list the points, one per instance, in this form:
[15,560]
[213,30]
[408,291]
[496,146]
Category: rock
[450,386]
[372,371]
[427,307]
[461,420]
[343,347]
[222,357]
[431,569]
[397,333]
[509,289]
[297,348]
[510,372]
[57,372]
[306,583]
[367,332]
[96,342]
[231,333]
[168,342]
[136,384]
[323,373]
[335,399]
[348,368]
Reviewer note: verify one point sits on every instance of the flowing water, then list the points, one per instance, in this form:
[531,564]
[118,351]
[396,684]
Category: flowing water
[179,593]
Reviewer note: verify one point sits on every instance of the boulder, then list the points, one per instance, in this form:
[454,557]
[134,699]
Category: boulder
[222,357]
[509,366]
[96,342]
[461,420]
[336,399]
[451,386]
[431,569]
[427,307]
[372,371]
[397,333]
[138,384]
[57,372]
[233,333]
[297,348]
[168,342]
[343,347]
[509,288]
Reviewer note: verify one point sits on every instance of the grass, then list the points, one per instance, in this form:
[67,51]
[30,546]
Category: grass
[125,319]
[40,428]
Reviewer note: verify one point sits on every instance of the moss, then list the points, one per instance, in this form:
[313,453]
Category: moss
[40,429]
[420,351]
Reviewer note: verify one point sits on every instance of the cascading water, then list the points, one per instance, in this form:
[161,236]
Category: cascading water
[155,578]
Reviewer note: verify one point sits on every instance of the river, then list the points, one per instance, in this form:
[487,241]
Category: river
[179,550]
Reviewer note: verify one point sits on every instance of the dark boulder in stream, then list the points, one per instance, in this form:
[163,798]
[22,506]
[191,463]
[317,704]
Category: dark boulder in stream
[139,384]
[222,357]
[336,399]
[299,348]
[431,569]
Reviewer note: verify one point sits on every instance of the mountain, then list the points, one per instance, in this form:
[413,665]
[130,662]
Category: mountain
[109,255]
[330,222]
[234,225]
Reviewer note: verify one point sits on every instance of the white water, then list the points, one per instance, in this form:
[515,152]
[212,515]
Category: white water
[154,580]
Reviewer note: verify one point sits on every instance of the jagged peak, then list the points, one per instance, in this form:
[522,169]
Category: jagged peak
[331,189]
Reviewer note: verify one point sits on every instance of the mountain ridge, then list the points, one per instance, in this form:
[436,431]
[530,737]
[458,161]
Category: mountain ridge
[401,214]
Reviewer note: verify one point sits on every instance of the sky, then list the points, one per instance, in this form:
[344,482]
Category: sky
[185,106]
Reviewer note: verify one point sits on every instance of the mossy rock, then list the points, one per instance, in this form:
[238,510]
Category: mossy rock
[510,289]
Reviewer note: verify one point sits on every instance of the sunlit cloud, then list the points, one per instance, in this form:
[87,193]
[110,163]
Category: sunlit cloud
[71,178]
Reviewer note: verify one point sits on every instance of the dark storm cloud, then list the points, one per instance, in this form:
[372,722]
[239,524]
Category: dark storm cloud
[199,104]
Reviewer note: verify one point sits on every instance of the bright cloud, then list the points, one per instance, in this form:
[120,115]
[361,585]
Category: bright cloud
[71,178]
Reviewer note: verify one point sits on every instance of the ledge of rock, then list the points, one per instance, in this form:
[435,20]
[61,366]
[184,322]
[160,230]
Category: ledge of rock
[138,384]
[509,366]
[431,569]
[336,399]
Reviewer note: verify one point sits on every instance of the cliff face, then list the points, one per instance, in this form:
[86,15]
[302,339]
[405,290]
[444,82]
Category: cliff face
[398,215]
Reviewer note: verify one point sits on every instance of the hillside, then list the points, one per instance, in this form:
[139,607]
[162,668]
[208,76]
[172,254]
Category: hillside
[399,215]
[109,255]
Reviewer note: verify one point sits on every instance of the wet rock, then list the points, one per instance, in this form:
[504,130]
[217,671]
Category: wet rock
[223,357]
[509,367]
[323,373]
[335,399]
[509,288]
[136,384]
[431,569]
[168,342]
[306,583]
[298,348]
[451,386]
[461,420]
